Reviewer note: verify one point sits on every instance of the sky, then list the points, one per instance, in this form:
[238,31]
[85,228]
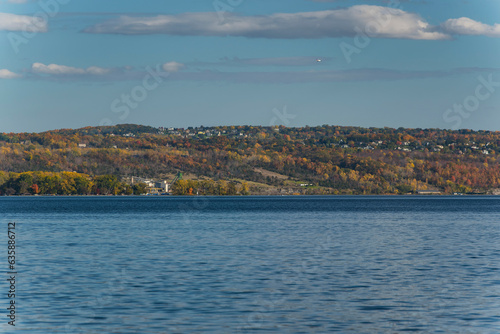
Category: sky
[371,63]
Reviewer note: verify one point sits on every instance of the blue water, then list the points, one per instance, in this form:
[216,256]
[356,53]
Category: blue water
[253,264]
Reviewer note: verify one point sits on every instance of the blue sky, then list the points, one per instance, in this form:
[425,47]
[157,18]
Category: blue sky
[75,63]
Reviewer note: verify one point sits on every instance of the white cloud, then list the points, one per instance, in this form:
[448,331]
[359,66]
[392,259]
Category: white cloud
[19,1]
[94,70]
[172,66]
[466,26]
[6,74]
[13,22]
[68,73]
[55,69]
[392,23]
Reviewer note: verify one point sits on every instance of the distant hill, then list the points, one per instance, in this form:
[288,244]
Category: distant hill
[104,130]
[308,160]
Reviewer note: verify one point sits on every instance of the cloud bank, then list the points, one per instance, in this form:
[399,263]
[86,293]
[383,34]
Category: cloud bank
[56,72]
[19,1]
[325,76]
[13,22]
[54,69]
[172,71]
[384,22]
[319,24]
[6,74]
[172,66]
[466,26]
[269,61]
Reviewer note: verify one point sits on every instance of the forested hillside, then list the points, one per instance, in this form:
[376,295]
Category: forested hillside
[308,160]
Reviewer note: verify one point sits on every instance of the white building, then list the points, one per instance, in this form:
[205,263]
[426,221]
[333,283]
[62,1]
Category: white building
[163,185]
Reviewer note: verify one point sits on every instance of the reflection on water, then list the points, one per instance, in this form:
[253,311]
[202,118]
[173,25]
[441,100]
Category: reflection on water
[256,264]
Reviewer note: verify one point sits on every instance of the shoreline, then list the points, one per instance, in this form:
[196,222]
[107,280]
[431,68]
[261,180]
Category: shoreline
[256,195]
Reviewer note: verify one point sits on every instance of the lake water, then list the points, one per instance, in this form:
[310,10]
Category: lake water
[253,264]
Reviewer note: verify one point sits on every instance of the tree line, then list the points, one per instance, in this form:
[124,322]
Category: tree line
[210,187]
[71,183]
[65,183]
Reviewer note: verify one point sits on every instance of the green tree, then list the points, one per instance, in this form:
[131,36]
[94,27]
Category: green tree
[140,188]
[244,188]
[231,189]
[83,185]
[4,176]
[404,188]
[180,187]
[24,183]
[222,187]
[127,189]
[49,184]
[107,184]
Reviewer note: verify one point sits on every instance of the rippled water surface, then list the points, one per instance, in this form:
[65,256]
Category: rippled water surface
[254,264]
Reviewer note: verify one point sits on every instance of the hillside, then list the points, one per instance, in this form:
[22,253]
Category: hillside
[270,160]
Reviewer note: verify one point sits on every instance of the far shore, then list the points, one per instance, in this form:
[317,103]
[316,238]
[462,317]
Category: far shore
[266,195]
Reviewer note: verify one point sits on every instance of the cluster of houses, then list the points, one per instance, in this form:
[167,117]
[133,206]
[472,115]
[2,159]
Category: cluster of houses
[202,132]
[154,187]
[413,146]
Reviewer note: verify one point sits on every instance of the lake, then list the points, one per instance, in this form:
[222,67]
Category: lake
[253,264]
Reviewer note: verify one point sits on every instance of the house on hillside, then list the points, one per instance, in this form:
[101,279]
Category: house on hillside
[154,187]
[428,192]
